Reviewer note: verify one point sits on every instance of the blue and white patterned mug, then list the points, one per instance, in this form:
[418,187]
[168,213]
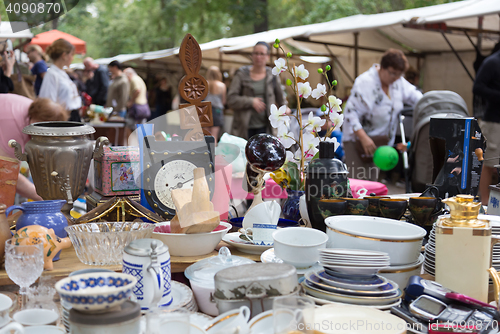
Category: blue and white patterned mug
[149,261]
[260,234]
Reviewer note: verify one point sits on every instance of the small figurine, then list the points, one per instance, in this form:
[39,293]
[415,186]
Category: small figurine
[34,234]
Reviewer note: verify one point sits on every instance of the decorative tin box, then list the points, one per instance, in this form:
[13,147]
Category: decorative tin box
[116,172]
[254,285]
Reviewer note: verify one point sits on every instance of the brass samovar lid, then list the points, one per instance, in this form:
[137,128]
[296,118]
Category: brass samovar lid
[58,129]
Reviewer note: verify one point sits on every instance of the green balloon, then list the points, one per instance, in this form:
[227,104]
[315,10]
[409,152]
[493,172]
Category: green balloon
[386,157]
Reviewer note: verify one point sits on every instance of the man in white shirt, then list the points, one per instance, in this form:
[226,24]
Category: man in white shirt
[373,109]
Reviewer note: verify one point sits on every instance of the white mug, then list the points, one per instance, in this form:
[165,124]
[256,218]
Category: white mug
[234,321]
[262,234]
[149,261]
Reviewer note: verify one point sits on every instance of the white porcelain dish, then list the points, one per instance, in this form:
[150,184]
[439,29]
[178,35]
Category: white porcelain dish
[36,317]
[299,246]
[180,244]
[402,241]
[332,318]
[229,321]
[351,283]
[401,274]
[352,270]
[233,239]
[387,307]
[262,323]
[270,257]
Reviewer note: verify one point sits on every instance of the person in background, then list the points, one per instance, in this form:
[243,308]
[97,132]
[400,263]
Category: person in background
[17,112]
[118,89]
[56,84]
[376,100]
[38,58]
[217,95]
[253,89]
[6,70]
[97,82]
[138,108]
[163,98]
[487,85]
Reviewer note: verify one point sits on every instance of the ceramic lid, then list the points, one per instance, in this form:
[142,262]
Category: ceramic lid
[203,272]
[58,129]
[142,247]
[127,311]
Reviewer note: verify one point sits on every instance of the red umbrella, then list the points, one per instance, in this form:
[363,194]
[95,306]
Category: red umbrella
[44,39]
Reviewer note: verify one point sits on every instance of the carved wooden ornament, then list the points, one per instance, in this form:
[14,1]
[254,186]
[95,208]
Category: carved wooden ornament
[193,88]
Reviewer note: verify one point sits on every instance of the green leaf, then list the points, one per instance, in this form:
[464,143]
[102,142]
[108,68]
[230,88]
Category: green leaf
[293,170]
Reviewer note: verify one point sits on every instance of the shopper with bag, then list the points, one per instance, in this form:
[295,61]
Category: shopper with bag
[372,112]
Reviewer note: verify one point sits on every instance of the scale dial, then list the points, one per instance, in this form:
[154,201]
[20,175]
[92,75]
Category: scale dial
[176,174]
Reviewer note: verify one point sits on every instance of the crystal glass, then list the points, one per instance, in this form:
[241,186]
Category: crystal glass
[23,263]
[168,321]
[293,314]
[103,243]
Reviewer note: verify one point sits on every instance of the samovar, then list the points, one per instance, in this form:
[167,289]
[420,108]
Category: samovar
[59,155]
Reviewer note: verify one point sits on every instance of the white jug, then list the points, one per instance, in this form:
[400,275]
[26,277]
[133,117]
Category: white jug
[149,261]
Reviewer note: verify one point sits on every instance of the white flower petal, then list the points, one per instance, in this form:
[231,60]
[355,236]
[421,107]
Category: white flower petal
[280,66]
[336,119]
[301,72]
[304,89]
[319,91]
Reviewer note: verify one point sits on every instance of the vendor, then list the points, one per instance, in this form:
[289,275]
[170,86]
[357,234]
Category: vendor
[17,112]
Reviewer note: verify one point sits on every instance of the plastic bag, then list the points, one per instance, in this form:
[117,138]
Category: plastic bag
[234,157]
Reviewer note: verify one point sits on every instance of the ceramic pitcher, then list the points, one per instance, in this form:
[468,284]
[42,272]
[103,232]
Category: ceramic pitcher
[43,213]
[149,261]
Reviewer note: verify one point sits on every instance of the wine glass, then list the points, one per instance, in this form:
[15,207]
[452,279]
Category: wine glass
[23,264]
[293,314]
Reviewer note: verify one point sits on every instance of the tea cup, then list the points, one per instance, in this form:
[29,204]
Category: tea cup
[260,234]
[373,209]
[230,321]
[392,208]
[36,317]
[422,208]
[332,207]
[356,206]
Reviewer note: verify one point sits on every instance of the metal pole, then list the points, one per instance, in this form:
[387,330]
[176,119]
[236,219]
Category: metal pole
[457,55]
[356,56]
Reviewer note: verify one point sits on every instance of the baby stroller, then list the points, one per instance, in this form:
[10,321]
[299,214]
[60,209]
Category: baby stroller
[442,103]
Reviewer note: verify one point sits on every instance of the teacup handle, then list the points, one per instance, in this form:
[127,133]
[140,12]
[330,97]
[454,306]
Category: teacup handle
[12,326]
[245,312]
[247,231]
[304,223]
[156,275]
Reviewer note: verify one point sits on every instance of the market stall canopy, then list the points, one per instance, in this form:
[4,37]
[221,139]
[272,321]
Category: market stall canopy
[17,38]
[44,39]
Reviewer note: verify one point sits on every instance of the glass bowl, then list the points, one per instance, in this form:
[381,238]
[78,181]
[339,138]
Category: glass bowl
[102,244]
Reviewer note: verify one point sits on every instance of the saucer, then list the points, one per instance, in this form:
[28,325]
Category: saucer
[354,270]
[269,257]
[182,296]
[233,239]
[320,301]
[5,322]
[352,283]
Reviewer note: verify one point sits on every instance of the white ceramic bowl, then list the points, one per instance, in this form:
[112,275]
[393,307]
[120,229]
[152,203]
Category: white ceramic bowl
[299,246]
[96,291]
[36,317]
[401,274]
[44,330]
[402,241]
[180,244]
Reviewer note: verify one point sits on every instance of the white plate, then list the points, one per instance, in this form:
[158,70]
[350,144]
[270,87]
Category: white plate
[181,296]
[233,239]
[269,257]
[320,301]
[343,315]
[199,319]
[357,300]
[352,270]
[389,288]
[352,252]
[355,263]
[357,258]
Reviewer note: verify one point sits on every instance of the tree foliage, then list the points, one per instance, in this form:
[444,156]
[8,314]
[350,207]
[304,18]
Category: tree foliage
[112,27]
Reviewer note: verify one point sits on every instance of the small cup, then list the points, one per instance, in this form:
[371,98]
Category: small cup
[293,314]
[234,321]
[356,206]
[332,207]
[393,208]
[373,209]
[421,209]
[5,305]
[260,234]
[36,317]
[44,330]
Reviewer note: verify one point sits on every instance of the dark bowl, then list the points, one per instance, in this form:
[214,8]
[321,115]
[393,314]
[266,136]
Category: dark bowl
[356,206]
[392,208]
[332,207]
[237,223]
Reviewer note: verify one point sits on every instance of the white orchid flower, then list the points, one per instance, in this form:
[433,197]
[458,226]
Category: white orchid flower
[310,145]
[333,140]
[313,123]
[336,119]
[290,157]
[319,91]
[280,66]
[304,89]
[286,137]
[278,116]
[301,72]
[335,103]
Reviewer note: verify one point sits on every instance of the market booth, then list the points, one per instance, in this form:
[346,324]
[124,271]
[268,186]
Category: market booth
[117,268]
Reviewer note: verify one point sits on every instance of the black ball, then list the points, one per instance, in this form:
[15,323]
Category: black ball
[265,152]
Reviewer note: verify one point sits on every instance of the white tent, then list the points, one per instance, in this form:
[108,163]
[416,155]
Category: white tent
[16,37]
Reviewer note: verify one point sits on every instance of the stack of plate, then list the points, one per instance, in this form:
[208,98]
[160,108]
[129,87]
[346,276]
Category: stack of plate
[182,297]
[350,276]
[353,261]
[430,253]
[495,230]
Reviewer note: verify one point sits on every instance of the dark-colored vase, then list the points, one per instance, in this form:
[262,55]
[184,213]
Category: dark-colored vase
[291,206]
[326,177]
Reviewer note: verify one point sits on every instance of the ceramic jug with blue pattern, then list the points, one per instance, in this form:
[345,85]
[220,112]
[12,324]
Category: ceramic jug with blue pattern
[148,260]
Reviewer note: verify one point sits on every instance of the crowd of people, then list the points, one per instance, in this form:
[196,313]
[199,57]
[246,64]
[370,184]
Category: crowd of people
[371,111]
